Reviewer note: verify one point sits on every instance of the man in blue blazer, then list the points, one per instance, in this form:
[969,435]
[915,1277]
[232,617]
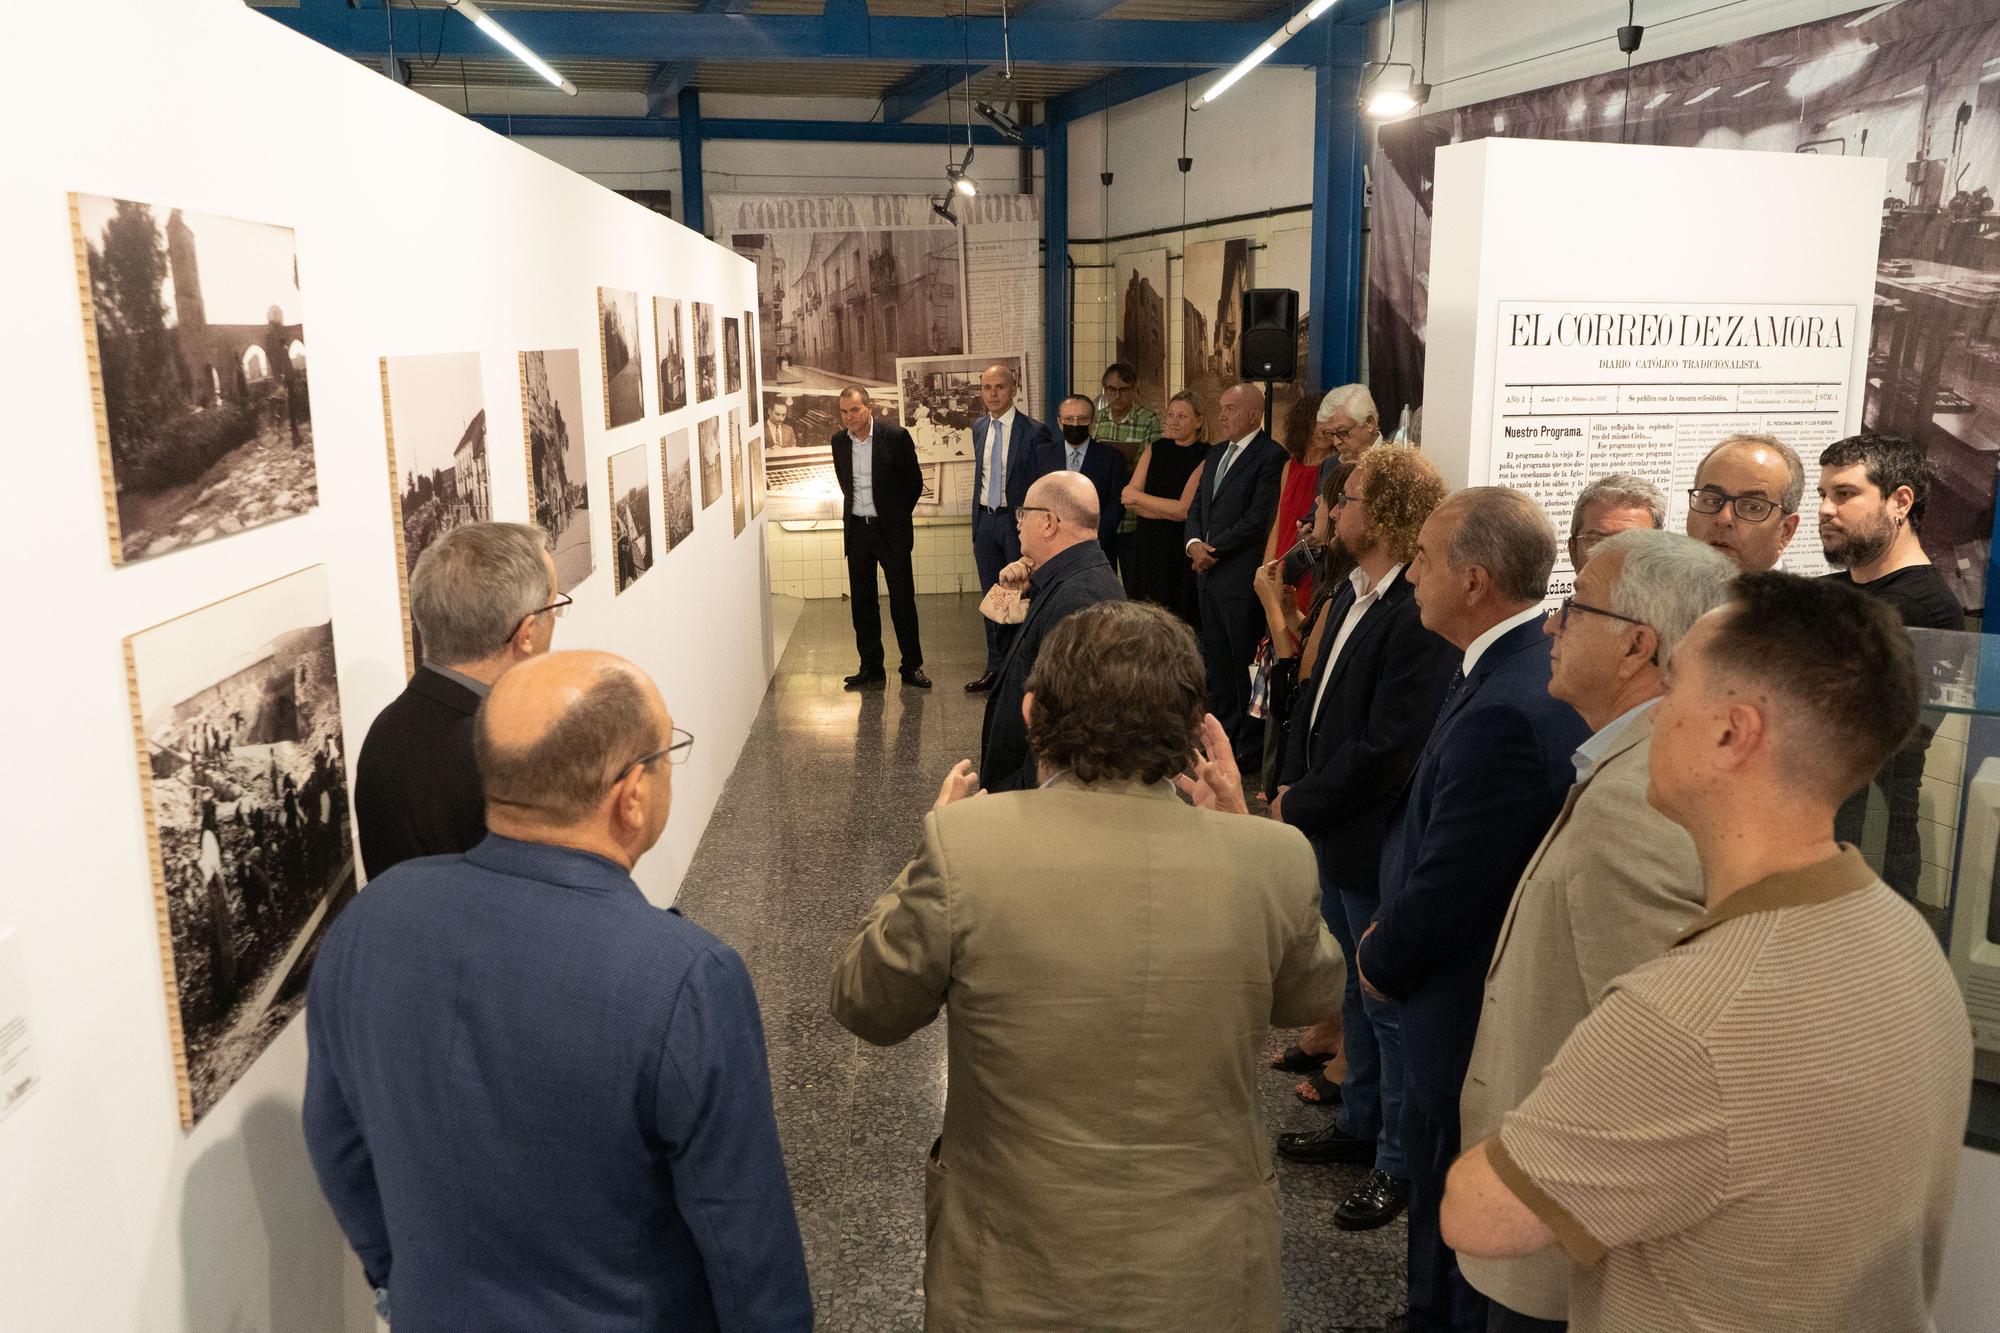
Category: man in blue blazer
[1489,783]
[1226,526]
[1009,450]
[533,1099]
[1101,465]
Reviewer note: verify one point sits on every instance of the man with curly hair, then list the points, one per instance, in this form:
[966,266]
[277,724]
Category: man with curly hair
[1080,1185]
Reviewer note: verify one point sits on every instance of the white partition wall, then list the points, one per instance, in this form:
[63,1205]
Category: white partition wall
[1602,308]
[415,233]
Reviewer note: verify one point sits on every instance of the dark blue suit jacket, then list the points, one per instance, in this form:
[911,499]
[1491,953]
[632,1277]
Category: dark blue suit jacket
[1236,517]
[1026,457]
[1489,783]
[1104,469]
[1345,770]
[536,1101]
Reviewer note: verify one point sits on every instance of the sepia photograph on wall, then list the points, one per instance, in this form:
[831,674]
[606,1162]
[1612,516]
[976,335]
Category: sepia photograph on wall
[672,346]
[739,479]
[750,367]
[631,517]
[197,349]
[705,385]
[435,422]
[236,711]
[622,357]
[677,477]
[1139,293]
[1213,276]
[558,490]
[732,355]
[708,435]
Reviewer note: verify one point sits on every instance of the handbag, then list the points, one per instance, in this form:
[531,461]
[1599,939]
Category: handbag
[1004,605]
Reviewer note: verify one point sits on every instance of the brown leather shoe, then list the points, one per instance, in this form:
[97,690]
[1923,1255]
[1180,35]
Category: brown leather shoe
[980,686]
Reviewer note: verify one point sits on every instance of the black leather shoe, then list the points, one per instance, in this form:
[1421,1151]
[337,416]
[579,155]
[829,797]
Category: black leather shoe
[864,680]
[980,686]
[916,679]
[1373,1203]
[1331,1144]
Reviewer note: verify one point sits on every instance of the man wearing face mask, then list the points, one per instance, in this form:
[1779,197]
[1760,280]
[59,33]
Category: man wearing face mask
[1101,465]
[1872,490]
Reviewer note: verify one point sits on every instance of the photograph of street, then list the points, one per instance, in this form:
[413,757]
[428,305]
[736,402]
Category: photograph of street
[558,494]
[437,453]
[624,366]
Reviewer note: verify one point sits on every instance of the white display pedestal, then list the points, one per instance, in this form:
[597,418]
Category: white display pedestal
[1599,308]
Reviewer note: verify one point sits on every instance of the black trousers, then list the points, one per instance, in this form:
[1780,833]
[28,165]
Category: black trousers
[1441,1300]
[866,551]
[1232,622]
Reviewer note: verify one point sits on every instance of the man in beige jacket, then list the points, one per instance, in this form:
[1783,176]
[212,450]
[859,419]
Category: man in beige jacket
[1613,882]
[1080,1185]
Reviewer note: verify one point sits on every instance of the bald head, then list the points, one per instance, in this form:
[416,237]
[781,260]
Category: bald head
[1242,411]
[557,732]
[997,386]
[1070,502]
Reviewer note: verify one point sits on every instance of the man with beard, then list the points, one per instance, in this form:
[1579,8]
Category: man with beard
[1872,490]
[1745,501]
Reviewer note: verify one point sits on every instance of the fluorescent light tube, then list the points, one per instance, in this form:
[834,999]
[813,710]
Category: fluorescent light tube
[484,22]
[1292,28]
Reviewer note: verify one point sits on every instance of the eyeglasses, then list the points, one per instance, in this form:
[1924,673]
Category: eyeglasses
[676,753]
[1029,509]
[1749,508]
[1343,498]
[562,603]
[1569,604]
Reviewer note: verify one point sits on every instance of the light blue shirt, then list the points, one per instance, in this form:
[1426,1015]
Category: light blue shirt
[1591,753]
[864,473]
[1076,455]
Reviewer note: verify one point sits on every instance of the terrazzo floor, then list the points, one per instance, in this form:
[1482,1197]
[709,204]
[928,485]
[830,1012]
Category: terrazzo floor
[821,814]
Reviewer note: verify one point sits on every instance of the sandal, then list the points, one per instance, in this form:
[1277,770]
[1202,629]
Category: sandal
[1324,1092]
[1299,1060]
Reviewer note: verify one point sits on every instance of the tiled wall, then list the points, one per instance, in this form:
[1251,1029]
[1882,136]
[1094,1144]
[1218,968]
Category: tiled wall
[811,563]
[1938,803]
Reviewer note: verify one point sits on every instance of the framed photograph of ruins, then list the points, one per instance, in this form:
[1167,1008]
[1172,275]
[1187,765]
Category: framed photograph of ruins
[434,417]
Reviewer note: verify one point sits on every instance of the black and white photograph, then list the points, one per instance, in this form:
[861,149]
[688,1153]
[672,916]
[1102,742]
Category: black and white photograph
[705,384]
[242,771]
[624,362]
[677,478]
[672,345]
[1139,301]
[1213,276]
[940,401]
[708,434]
[739,477]
[850,303]
[753,449]
[437,456]
[750,367]
[558,490]
[798,450]
[204,424]
[631,517]
[732,355]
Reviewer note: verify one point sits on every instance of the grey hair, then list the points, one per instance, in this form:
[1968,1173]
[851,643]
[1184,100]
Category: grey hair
[1667,581]
[1504,532]
[1353,399]
[1625,492]
[474,585]
[1795,470]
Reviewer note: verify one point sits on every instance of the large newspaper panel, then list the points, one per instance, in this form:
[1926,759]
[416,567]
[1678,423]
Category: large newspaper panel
[1585,389]
[880,291]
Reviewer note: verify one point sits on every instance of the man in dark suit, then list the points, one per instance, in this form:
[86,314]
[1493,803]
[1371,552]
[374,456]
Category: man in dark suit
[1101,465]
[1226,527]
[1009,450]
[1065,570]
[1489,783]
[1363,709]
[484,600]
[533,1099]
[876,464]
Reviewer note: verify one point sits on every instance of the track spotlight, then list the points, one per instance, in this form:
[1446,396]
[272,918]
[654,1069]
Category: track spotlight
[941,205]
[1390,95]
[961,182]
[1007,127]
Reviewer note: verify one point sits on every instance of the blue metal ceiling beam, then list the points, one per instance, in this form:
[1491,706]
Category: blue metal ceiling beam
[1116,89]
[770,131]
[845,32]
[663,90]
[925,86]
[694,194]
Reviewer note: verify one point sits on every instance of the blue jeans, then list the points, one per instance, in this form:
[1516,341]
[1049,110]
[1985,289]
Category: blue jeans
[1371,1037]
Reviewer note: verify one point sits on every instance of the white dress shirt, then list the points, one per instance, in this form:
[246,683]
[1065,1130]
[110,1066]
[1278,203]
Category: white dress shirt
[863,458]
[1591,753]
[1366,594]
[1491,636]
[999,442]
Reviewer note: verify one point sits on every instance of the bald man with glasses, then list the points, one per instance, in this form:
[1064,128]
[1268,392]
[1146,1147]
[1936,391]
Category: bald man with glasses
[1745,501]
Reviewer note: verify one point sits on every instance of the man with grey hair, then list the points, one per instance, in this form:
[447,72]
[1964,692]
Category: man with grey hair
[1613,884]
[1348,418]
[534,1099]
[1745,501]
[484,599]
[1064,569]
[1490,780]
[1611,505]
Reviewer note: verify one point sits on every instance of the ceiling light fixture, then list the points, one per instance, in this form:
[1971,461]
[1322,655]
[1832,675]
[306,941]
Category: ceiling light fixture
[1293,26]
[484,22]
[1003,124]
[941,205]
[961,182]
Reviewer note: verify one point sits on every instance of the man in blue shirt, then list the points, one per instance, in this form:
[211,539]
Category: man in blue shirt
[534,1100]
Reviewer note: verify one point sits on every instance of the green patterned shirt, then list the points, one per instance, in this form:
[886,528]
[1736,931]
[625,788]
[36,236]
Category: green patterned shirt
[1133,434]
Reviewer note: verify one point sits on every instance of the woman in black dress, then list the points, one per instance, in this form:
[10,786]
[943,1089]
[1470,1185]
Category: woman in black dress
[1162,487]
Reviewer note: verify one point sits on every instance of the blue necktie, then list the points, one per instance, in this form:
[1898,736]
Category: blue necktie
[1451,691]
[996,493]
[1076,459]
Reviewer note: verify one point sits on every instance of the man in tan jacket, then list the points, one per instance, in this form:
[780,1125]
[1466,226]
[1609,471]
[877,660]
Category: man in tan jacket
[1080,1185]
[1613,882]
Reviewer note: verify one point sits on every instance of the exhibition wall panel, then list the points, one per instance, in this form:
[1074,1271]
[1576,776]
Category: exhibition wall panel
[417,234]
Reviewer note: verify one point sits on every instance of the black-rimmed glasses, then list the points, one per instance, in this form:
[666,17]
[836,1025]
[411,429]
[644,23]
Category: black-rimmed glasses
[562,603]
[1749,508]
[1343,498]
[1569,604]
[675,753]
[1030,509]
